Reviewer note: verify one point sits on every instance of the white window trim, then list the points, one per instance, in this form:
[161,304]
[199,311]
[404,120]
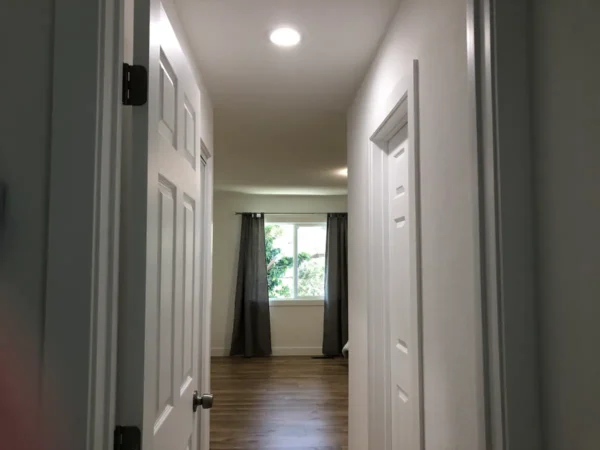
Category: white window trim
[296,300]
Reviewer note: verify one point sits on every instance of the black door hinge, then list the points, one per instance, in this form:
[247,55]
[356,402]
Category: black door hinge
[127,438]
[135,85]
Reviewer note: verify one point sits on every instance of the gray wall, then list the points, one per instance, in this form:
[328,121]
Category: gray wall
[25,107]
[566,102]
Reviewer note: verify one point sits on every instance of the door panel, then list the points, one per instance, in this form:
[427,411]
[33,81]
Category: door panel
[190,128]
[166,300]
[188,284]
[168,99]
[159,342]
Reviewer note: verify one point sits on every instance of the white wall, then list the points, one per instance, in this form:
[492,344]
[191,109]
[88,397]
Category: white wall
[434,32]
[294,329]
[26,88]
[566,107]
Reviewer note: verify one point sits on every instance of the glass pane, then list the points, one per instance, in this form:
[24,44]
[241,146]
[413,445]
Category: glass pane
[311,261]
[279,245]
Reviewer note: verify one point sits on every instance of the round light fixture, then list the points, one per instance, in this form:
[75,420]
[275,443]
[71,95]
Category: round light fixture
[285,37]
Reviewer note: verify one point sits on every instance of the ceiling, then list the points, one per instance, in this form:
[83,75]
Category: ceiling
[246,75]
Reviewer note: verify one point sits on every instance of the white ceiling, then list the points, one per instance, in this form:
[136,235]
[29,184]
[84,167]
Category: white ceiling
[280,112]
[230,39]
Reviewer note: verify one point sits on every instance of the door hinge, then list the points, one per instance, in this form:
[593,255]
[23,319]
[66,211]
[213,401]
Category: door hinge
[127,438]
[135,85]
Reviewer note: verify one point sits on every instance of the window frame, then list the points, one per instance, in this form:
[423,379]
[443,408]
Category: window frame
[296,300]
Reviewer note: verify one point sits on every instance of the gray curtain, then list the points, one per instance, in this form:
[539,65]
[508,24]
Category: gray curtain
[252,322]
[335,326]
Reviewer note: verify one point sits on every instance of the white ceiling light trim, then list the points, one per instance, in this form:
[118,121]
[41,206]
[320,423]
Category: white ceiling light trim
[285,37]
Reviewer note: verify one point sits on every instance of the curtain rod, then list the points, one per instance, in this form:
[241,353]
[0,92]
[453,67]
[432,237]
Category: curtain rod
[288,214]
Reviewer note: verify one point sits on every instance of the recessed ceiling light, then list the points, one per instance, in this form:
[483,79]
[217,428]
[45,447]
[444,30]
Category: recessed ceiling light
[342,172]
[285,37]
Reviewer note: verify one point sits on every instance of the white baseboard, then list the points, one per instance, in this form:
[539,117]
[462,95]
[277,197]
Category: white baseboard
[297,351]
[278,351]
[219,351]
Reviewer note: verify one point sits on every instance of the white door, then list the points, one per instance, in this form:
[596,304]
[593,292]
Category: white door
[402,304]
[161,303]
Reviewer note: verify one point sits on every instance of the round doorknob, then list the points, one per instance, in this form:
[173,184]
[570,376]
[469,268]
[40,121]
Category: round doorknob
[204,400]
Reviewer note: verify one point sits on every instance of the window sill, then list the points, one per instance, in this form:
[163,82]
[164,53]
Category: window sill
[299,302]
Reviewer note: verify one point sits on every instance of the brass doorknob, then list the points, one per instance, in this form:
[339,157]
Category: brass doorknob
[204,400]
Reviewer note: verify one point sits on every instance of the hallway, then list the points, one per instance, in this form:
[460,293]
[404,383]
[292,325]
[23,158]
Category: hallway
[288,403]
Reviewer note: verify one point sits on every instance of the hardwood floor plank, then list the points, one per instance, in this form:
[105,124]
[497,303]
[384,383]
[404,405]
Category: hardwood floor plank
[287,403]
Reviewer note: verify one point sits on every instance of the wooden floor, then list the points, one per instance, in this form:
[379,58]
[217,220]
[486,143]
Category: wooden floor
[289,403]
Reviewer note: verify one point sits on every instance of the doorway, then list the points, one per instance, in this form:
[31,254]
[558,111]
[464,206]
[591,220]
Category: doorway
[274,387]
[372,329]
[395,313]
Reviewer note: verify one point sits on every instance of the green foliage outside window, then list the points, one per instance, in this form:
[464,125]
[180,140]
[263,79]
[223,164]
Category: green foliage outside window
[311,268]
[277,265]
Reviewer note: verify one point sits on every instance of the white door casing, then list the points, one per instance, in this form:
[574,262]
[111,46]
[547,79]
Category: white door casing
[161,301]
[206,286]
[395,313]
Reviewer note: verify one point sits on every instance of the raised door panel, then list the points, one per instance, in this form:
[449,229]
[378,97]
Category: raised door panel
[190,129]
[166,301]
[168,99]
[188,286]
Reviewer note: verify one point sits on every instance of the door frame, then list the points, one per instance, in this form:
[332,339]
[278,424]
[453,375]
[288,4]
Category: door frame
[80,324]
[498,53]
[82,288]
[207,261]
[402,109]
[84,200]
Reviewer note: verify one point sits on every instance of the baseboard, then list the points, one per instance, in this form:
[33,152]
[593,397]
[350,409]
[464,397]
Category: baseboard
[219,351]
[297,351]
[278,351]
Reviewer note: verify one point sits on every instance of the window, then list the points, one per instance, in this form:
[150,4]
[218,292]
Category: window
[295,260]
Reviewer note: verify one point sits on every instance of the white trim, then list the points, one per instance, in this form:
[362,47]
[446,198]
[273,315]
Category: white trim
[402,110]
[297,302]
[220,352]
[296,226]
[490,378]
[83,226]
[498,54]
[207,254]
[480,288]
[295,293]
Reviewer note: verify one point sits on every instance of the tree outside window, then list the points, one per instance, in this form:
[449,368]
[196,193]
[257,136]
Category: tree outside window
[295,254]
